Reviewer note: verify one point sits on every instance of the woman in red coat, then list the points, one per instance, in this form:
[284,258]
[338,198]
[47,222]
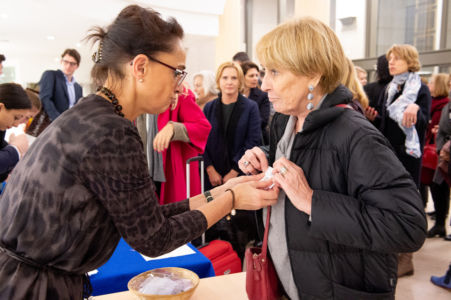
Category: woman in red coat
[438,86]
[183,133]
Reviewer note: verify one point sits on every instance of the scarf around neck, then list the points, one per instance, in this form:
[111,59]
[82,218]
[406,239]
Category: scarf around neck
[396,107]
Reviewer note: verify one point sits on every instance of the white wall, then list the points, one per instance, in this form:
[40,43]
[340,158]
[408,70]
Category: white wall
[352,37]
[264,19]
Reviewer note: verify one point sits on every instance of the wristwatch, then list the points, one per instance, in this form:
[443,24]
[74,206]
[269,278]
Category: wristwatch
[208,195]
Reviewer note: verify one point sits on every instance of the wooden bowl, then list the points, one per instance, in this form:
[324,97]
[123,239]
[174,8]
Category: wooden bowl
[135,283]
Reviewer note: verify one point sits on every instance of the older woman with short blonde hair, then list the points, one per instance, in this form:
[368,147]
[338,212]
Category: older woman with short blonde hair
[346,204]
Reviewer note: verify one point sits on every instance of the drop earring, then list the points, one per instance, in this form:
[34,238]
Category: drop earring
[310,105]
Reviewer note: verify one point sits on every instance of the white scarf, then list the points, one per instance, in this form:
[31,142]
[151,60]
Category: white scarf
[396,107]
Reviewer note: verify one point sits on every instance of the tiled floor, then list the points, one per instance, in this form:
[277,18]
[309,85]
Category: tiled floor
[432,259]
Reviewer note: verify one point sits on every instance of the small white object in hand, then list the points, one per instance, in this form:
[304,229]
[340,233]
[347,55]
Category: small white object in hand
[167,285]
[268,176]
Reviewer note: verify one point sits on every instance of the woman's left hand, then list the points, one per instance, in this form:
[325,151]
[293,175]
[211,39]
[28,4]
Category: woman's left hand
[163,138]
[291,179]
[409,118]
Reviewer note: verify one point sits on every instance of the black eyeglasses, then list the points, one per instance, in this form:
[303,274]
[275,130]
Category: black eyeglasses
[179,75]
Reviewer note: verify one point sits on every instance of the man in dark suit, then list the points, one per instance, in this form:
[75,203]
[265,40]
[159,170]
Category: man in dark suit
[59,90]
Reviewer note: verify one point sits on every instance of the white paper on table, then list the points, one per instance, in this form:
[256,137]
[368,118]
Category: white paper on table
[180,251]
[93,272]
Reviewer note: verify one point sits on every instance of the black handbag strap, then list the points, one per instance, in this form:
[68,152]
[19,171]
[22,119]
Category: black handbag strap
[265,238]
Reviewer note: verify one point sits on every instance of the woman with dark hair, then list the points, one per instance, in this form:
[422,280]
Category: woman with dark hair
[375,90]
[14,105]
[252,91]
[86,182]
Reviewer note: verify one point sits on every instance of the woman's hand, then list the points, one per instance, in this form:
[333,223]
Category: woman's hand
[253,161]
[371,113]
[20,141]
[230,175]
[254,195]
[434,130]
[163,138]
[214,177]
[409,118]
[291,179]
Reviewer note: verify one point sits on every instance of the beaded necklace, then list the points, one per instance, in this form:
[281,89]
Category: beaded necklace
[110,95]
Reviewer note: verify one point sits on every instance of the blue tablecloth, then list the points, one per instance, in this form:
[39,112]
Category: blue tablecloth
[125,263]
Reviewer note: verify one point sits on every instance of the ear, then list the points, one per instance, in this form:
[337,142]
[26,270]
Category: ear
[2,106]
[139,66]
[314,80]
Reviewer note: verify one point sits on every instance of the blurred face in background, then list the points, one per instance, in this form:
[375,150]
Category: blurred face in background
[361,76]
[229,83]
[68,65]
[397,65]
[31,113]
[1,69]
[199,87]
[251,78]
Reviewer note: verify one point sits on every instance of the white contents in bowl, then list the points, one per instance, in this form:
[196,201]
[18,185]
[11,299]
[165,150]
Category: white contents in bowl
[166,285]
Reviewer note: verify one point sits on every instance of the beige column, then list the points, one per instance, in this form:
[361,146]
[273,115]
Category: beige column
[231,28]
[319,9]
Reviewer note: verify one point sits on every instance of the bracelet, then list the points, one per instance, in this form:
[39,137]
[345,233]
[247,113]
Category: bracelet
[233,211]
[208,195]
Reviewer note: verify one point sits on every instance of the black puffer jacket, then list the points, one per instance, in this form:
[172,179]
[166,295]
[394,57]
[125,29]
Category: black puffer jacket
[365,206]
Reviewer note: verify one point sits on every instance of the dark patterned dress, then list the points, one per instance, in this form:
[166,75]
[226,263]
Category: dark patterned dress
[82,185]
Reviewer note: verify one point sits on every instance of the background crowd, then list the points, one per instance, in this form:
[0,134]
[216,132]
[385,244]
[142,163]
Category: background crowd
[223,116]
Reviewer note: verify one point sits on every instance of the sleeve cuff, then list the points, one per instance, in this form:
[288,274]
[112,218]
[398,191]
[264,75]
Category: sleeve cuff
[17,150]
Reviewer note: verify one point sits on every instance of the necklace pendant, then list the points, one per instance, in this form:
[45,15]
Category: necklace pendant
[310,106]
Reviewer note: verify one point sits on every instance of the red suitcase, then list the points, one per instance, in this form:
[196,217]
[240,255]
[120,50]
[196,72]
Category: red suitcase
[221,254]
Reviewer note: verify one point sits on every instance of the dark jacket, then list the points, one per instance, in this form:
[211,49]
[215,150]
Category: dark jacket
[53,93]
[390,129]
[8,157]
[226,146]
[262,100]
[365,206]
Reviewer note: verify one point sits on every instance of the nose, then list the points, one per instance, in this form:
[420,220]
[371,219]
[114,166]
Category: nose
[266,84]
[179,89]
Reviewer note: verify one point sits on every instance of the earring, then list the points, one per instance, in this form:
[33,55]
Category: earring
[310,105]
[140,80]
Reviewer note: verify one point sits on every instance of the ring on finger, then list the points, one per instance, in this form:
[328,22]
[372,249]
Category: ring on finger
[283,171]
[245,163]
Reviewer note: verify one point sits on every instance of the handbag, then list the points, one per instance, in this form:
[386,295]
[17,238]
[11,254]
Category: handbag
[430,157]
[429,163]
[261,277]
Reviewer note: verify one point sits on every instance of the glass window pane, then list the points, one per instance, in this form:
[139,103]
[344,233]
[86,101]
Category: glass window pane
[407,22]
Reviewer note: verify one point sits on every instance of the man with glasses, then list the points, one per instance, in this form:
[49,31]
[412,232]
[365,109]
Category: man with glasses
[58,89]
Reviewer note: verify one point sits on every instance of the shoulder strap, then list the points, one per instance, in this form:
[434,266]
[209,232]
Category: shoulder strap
[265,238]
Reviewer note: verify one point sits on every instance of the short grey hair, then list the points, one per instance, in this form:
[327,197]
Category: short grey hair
[208,81]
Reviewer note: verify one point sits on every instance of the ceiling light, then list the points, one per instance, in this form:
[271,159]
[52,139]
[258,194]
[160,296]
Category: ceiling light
[4,16]
[78,45]
[50,37]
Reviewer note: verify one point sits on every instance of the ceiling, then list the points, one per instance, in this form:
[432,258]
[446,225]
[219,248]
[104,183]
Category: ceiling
[42,29]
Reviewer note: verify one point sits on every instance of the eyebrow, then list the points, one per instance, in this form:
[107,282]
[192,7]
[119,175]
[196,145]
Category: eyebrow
[181,67]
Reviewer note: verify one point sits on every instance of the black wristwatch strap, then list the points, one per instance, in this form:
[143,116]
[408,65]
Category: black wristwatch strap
[208,196]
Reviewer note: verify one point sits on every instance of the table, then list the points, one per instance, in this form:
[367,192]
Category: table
[225,287]
[125,263]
